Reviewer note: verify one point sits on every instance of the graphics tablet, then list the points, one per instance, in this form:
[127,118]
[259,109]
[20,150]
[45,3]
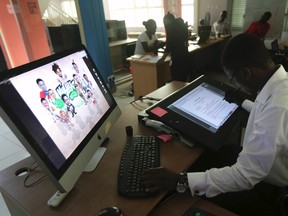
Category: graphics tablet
[199,112]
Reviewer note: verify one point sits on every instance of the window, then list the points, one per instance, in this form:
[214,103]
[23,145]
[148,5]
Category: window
[68,6]
[285,25]
[238,11]
[134,12]
[187,10]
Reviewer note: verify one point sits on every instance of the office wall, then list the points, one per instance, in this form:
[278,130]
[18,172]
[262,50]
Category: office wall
[11,40]
[22,31]
[256,8]
[213,7]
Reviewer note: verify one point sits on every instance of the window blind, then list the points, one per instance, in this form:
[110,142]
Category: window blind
[238,11]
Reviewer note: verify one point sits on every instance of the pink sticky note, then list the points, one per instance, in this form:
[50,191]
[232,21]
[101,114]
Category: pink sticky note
[159,111]
[165,137]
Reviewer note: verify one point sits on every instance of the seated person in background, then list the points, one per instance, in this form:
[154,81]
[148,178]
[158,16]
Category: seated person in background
[245,180]
[261,27]
[147,41]
[221,27]
[177,47]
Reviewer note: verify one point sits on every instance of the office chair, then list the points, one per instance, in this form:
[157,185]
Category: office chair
[282,201]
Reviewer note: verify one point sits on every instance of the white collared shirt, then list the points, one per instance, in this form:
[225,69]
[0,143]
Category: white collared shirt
[265,146]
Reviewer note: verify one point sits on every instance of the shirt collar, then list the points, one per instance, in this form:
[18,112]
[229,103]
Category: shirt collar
[272,83]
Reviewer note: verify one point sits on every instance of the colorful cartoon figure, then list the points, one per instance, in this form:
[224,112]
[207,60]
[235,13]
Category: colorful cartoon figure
[64,117]
[57,102]
[62,78]
[44,93]
[49,109]
[70,106]
[90,96]
[87,82]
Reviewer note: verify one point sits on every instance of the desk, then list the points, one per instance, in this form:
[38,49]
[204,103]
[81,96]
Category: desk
[119,51]
[206,57]
[98,189]
[148,74]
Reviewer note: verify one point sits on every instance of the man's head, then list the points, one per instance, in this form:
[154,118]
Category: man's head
[150,26]
[57,70]
[246,61]
[41,84]
[265,17]
[223,15]
[168,19]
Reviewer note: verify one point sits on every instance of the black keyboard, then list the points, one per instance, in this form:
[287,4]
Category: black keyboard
[140,153]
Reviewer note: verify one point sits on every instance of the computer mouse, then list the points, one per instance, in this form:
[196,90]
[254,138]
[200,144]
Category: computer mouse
[111,211]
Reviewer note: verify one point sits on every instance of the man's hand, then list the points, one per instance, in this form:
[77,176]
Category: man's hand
[234,96]
[159,179]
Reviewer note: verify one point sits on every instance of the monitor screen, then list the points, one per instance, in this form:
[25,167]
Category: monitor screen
[199,112]
[61,110]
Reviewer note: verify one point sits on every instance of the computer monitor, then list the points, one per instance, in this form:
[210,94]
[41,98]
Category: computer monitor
[199,113]
[61,110]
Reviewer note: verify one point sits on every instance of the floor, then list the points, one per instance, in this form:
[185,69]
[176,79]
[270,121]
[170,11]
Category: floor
[13,151]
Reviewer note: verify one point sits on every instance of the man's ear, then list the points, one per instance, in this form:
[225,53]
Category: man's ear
[245,73]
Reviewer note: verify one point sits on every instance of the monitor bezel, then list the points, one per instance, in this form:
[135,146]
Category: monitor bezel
[189,130]
[60,177]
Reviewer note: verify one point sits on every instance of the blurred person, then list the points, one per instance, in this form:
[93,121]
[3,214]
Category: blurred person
[261,27]
[177,47]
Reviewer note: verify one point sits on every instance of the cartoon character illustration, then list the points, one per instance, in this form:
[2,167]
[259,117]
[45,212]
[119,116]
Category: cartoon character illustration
[44,93]
[57,102]
[69,105]
[90,96]
[49,109]
[87,82]
[64,117]
[62,78]
[80,93]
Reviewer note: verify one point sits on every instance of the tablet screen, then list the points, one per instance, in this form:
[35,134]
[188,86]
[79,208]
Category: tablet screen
[204,105]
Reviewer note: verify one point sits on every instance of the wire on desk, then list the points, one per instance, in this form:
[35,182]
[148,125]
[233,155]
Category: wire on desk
[31,171]
[145,98]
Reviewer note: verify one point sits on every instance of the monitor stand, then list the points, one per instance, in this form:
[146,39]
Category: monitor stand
[95,159]
[57,198]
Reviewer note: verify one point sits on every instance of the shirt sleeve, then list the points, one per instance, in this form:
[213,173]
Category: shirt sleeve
[247,105]
[255,161]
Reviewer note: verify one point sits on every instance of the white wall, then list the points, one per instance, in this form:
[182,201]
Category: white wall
[214,7]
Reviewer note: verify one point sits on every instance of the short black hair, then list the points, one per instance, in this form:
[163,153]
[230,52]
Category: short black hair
[245,50]
[55,67]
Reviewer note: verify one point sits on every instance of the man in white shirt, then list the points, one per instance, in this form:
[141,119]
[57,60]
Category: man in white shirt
[221,27]
[248,184]
[147,41]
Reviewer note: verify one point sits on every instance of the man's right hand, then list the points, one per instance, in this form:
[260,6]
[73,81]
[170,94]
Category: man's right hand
[234,96]
[159,179]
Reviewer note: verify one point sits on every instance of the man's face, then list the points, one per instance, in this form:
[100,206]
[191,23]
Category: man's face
[59,72]
[45,104]
[236,80]
[52,94]
[66,100]
[42,85]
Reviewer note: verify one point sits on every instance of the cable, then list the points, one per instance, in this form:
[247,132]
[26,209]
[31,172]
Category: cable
[145,98]
[30,172]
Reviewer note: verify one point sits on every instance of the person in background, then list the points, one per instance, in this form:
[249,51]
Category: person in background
[147,41]
[245,179]
[177,47]
[221,27]
[261,27]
